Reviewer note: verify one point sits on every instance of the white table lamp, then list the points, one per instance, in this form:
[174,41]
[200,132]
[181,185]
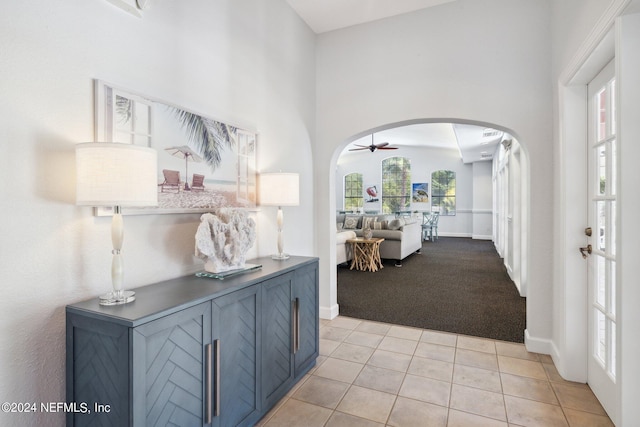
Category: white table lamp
[116,175]
[280,189]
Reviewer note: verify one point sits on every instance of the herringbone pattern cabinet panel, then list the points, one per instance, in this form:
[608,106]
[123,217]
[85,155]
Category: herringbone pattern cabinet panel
[173,367]
[277,330]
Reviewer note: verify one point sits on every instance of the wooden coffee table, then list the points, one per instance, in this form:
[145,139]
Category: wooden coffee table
[366,254]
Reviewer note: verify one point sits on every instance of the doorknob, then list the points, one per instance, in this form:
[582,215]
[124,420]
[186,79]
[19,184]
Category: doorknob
[586,251]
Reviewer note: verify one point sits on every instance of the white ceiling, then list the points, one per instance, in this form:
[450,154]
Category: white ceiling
[467,139]
[329,15]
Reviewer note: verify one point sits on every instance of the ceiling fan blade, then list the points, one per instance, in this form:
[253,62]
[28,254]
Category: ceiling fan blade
[358,149]
[387,148]
[382,144]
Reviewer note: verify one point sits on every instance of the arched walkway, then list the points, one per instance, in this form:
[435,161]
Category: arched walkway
[515,164]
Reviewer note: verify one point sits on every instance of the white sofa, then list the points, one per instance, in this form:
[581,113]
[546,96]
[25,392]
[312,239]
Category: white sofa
[402,236]
[343,251]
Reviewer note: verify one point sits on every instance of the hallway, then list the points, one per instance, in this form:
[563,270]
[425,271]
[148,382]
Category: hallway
[377,374]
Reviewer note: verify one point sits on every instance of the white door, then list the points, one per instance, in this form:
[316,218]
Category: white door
[603,377]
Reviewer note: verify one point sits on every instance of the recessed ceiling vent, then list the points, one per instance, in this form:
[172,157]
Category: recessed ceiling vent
[486,155]
[488,132]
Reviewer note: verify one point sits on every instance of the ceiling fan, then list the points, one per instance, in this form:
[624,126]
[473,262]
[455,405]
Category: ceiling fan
[373,147]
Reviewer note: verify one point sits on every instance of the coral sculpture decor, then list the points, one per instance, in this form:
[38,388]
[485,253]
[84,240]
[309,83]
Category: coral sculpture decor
[223,239]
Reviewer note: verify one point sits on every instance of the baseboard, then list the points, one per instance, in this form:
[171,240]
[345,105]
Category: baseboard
[539,345]
[467,235]
[449,234]
[329,312]
[482,237]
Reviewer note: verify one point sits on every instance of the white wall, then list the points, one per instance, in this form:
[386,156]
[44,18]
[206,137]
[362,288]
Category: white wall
[245,62]
[473,185]
[441,63]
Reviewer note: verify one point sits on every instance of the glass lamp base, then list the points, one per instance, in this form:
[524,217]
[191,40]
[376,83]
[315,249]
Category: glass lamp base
[280,256]
[112,299]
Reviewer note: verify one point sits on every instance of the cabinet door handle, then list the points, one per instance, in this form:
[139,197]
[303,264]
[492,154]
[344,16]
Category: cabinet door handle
[297,328]
[293,326]
[216,350]
[208,357]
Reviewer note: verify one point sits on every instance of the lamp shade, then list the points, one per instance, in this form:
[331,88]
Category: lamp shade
[115,174]
[279,189]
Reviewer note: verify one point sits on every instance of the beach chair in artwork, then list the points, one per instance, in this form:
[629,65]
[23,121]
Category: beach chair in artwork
[197,183]
[171,180]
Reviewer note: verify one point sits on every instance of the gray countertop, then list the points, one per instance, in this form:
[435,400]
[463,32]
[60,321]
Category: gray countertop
[167,297]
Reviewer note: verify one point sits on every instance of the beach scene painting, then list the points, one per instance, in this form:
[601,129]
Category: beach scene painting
[203,163]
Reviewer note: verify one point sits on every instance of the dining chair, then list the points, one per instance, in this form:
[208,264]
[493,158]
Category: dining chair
[430,226]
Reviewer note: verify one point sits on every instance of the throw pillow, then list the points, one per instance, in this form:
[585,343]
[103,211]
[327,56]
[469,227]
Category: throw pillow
[351,222]
[380,225]
[396,224]
[368,221]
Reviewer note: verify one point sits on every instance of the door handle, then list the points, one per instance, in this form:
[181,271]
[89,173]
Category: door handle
[586,251]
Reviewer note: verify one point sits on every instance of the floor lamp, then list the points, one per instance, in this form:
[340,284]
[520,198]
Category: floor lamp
[110,174]
[280,189]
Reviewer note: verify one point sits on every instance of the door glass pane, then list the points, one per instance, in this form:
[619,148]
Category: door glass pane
[612,232]
[601,225]
[612,362]
[601,343]
[602,114]
[601,155]
[601,281]
[612,285]
[614,168]
[613,109]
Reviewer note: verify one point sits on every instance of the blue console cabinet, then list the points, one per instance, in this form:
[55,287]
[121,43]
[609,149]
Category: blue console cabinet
[195,351]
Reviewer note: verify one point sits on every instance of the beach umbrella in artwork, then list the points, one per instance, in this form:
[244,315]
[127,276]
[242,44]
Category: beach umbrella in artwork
[186,153]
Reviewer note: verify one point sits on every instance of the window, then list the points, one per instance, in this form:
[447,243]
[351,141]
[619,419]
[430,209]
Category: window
[443,192]
[396,184]
[131,119]
[353,191]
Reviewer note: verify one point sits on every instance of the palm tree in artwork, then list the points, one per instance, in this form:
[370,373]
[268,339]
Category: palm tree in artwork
[209,136]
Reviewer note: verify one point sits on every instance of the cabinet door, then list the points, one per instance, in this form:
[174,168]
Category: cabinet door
[236,320]
[97,371]
[169,369]
[277,338]
[305,295]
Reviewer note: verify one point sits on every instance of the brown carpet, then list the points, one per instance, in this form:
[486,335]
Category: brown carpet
[455,285]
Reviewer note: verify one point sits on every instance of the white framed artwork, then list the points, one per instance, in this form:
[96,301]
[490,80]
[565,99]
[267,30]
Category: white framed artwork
[203,163]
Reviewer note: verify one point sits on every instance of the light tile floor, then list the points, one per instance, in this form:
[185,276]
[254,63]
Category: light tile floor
[377,374]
